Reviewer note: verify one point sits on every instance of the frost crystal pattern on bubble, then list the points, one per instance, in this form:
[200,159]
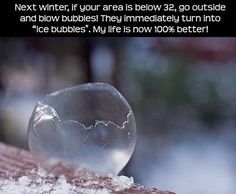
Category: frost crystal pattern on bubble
[89,126]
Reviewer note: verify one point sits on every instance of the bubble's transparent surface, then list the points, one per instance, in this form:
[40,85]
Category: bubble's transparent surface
[88,126]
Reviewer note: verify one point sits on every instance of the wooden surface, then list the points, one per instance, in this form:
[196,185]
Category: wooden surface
[16,163]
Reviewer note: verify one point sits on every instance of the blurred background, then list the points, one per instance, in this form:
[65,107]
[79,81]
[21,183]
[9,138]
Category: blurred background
[182,91]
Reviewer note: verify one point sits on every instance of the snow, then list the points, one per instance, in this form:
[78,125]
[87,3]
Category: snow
[40,183]
[24,185]
[122,182]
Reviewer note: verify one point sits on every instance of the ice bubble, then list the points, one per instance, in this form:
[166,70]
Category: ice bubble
[89,126]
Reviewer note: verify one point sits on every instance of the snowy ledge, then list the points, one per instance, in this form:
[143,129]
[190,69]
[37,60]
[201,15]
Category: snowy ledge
[19,174]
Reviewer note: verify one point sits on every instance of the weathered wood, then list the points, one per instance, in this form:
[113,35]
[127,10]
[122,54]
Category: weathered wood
[17,165]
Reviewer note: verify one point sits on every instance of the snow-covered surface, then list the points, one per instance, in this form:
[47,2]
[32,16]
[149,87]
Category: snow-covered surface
[24,185]
[21,175]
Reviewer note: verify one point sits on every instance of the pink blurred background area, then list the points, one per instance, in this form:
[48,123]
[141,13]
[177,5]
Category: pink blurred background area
[182,91]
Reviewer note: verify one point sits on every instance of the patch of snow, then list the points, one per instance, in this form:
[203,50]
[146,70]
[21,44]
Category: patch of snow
[24,185]
[122,182]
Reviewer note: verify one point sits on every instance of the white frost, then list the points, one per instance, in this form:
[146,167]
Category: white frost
[46,112]
[24,185]
[122,182]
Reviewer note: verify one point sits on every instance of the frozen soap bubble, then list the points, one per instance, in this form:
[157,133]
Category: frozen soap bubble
[89,126]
